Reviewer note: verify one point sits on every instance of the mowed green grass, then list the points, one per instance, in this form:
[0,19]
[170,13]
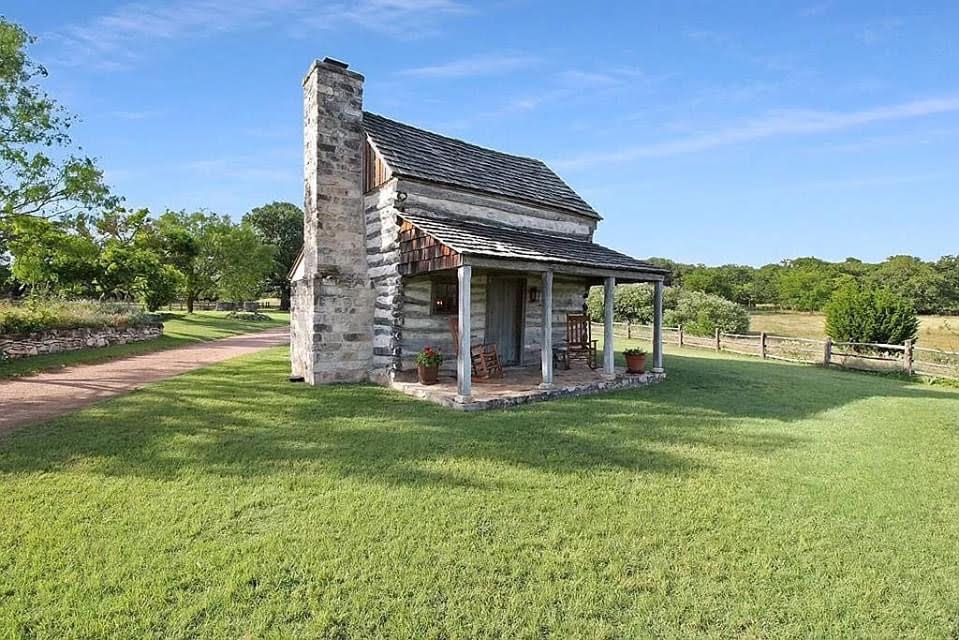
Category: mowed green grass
[179,329]
[740,498]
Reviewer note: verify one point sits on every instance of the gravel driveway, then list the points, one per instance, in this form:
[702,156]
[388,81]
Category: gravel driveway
[52,394]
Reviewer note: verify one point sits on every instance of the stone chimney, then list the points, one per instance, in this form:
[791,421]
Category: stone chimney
[331,322]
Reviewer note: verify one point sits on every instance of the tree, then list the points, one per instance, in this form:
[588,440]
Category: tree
[189,242]
[766,284]
[948,269]
[806,284]
[39,176]
[244,262]
[157,285]
[279,224]
[915,280]
[870,314]
[109,256]
[51,258]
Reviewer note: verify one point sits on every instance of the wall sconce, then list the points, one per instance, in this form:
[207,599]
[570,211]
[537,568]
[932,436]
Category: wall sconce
[534,294]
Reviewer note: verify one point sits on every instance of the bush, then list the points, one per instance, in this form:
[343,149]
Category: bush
[702,313]
[699,313]
[42,314]
[632,302]
[869,314]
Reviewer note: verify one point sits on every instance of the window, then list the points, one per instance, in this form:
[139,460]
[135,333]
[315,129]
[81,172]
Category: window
[444,300]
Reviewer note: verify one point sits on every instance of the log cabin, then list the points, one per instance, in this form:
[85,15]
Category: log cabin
[405,228]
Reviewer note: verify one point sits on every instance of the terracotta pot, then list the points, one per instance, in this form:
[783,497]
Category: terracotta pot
[428,374]
[636,364]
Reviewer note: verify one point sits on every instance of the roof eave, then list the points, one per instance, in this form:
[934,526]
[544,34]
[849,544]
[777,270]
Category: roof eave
[624,274]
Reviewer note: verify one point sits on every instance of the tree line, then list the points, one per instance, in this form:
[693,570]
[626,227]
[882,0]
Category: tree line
[63,232]
[122,254]
[808,284]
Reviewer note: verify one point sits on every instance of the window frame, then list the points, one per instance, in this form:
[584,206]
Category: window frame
[449,287]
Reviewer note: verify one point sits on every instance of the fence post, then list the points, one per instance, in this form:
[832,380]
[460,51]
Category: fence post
[629,329]
[827,353]
[717,340]
[908,360]
[680,335]
[762,345]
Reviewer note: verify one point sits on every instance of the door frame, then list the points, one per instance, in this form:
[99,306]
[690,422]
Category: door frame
[521,281]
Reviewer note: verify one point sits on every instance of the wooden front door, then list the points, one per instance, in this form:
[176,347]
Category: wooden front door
[504,317]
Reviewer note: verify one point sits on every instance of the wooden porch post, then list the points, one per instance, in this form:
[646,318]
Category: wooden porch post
[658,327]
[547,340]
[609,291]
[464,369]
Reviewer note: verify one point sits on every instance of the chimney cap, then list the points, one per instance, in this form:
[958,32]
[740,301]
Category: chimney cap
[336,63]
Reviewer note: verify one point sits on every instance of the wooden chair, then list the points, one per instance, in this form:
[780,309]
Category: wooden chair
[484,359]
[579,341]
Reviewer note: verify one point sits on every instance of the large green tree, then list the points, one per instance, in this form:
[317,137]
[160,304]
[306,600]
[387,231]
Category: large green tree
[279,224]
[948,269]
[41,175]
[911,278]
[190,242]
[244,261]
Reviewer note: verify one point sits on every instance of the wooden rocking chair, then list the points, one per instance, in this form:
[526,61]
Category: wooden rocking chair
[579,341]
[484,359]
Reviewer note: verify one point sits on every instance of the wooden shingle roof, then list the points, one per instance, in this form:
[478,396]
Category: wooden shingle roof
[509,243]
[420,154]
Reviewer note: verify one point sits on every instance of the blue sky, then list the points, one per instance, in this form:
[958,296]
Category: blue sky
[702,131]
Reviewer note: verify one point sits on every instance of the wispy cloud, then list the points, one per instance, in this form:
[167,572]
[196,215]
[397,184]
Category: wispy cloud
[145,114]
[118,39]
[879,31]
[856,182]
[563,86]
[401,18]
[734,45]
[481,65]
[776,124]
[244,167]
[814,10]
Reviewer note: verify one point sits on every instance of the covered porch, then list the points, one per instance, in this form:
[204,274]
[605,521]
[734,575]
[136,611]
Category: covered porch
[520,385]
[435,245]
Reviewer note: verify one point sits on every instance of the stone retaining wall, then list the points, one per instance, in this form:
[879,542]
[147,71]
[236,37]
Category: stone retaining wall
[57,340]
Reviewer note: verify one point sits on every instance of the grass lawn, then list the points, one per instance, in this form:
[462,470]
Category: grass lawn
[935,332]
[179,329]
[740,498]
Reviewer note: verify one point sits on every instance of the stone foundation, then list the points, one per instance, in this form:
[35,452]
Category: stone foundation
[59,340]
[520,385]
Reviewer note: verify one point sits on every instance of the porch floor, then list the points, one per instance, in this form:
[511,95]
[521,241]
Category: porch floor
[520,385]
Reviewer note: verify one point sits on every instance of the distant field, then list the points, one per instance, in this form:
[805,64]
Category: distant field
[935,332]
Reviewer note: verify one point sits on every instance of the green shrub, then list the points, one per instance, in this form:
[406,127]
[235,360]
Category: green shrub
[699,313]
[42,314]
[632,302]
[870,314]
[702,313]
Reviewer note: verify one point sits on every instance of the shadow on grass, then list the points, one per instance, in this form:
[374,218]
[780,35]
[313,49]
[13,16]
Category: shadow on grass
[242,418]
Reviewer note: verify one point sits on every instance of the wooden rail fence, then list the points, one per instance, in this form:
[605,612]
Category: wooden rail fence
[907,358]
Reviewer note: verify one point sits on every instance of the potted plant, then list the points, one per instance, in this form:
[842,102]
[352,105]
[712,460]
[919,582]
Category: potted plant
[428,365]
[635,360]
